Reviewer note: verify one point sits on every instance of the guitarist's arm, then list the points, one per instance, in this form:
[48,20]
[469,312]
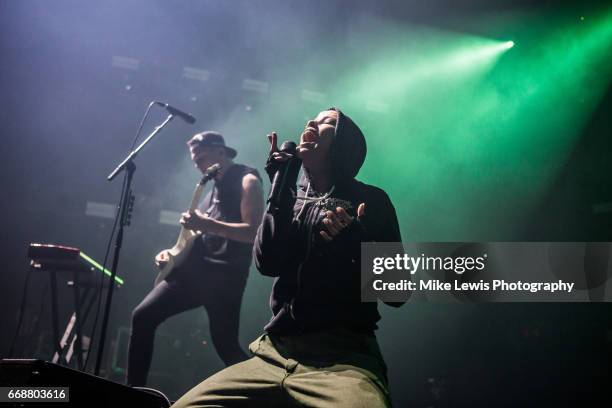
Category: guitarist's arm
[251,210]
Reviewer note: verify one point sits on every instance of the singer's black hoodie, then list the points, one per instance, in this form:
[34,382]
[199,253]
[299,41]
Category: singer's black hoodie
[317,283]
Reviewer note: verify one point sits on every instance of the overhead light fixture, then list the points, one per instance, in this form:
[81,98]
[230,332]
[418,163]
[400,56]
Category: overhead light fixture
[255,85]
[125,62]
[196,74]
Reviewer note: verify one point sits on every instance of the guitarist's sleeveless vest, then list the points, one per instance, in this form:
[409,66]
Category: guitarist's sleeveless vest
[223,203]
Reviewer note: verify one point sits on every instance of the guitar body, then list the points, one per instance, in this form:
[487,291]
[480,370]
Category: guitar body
[180,255]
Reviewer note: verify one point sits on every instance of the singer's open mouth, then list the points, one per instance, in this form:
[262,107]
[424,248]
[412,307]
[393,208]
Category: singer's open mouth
[309,135]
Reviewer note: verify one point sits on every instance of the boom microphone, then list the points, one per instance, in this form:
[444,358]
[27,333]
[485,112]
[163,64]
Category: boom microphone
[177,112]
[211,172]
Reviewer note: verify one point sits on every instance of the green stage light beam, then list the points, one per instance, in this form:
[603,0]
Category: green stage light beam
[469,143]
[396,70]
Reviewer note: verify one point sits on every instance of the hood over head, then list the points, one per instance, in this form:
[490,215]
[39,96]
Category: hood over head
[347,151]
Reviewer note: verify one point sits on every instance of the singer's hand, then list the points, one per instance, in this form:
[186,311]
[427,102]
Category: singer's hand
[336,221]
[273,139]
[275,154]
[275,157]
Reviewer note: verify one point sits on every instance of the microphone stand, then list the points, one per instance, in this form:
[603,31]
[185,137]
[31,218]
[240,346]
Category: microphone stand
[125,210]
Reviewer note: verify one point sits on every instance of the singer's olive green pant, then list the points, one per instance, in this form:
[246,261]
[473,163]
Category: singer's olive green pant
[336,368]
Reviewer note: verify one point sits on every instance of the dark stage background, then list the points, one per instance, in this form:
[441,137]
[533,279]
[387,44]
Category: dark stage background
[473,140]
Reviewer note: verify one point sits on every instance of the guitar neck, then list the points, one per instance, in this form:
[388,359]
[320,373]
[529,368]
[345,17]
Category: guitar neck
[197,195]
[195,200]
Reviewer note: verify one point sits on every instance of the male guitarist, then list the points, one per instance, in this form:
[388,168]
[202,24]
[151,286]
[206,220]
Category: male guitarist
[215,272]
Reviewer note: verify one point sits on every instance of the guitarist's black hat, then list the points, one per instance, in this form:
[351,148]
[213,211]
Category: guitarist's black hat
[212,139]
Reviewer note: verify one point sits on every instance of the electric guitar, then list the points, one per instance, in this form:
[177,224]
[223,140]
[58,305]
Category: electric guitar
[184,244]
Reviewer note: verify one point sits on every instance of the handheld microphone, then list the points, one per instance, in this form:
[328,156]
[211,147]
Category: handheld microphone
[177,112]
[286,175]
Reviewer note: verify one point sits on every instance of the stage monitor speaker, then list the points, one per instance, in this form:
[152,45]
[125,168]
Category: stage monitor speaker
[85,390]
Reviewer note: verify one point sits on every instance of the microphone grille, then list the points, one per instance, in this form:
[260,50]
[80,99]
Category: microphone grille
[288,146]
